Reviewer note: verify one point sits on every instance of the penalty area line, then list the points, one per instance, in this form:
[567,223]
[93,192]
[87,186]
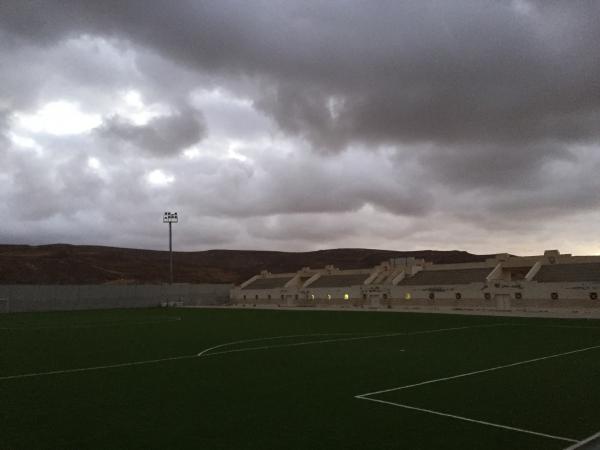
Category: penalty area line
[593,439]
[476,372]
[467,419]
[368,396]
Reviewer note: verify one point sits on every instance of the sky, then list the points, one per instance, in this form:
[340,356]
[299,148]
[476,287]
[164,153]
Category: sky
[302,125]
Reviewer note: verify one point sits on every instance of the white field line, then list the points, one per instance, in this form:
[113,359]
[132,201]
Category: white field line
[584,442]
[466,419]
[491,369]
[298,344]
[89,369]
[294,344]
[476,372]
[247,341]
[205,352]
[94,325]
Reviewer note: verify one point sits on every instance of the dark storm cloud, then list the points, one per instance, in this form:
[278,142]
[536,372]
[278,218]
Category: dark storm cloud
[492,165]
[471,111]
[498,75]
[399,71]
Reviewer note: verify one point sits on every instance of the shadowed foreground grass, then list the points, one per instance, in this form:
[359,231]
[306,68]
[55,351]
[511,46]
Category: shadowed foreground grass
[299,392]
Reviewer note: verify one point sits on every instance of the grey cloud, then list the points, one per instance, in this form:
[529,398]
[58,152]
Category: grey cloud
[455,74]
[231,118]
[302,231]
[564,191]
[162,136]
[4,114]
[56,197]
[275,183]
[40,191]
[483,104]
[506,166]
[308,228]
[410,71]
[80,68]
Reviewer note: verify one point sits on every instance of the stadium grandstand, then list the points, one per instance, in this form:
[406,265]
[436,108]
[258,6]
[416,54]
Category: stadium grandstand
[504,282]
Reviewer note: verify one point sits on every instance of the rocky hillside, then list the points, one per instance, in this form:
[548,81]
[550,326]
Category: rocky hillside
[79,264]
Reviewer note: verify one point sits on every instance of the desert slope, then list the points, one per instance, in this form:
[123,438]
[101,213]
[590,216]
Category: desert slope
[80,264]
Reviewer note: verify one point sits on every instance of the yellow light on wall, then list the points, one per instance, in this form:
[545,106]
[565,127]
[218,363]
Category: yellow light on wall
[328,296]
[407,296]
[346,297]
[312,296]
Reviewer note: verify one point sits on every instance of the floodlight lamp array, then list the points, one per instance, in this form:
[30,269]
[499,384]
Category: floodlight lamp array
[169,217]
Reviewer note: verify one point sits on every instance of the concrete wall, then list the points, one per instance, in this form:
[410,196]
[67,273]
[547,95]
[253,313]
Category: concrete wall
[23,298]
[521,295]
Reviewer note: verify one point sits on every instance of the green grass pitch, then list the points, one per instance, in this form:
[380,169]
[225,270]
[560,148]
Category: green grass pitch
[296,392]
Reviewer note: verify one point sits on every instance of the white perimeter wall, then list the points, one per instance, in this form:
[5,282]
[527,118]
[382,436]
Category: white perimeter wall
[23,298]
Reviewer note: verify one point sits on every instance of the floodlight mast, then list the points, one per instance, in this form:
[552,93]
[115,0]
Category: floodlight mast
[170,218]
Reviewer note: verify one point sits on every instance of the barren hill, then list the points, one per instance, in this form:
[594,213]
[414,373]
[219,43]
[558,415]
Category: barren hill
[80,264]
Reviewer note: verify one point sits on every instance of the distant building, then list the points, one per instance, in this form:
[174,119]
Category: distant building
[504,282]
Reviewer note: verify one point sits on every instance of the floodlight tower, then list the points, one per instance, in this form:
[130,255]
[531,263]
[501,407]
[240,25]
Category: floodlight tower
[170,218]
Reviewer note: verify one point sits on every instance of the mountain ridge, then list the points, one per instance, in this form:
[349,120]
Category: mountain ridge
[93,264]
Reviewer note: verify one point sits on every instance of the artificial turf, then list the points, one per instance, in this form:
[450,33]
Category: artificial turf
[292,396]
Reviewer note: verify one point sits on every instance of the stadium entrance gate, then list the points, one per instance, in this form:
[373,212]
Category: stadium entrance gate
[502,301]
[375,300]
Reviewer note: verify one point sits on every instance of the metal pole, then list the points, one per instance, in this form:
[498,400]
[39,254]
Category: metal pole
[170,254]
